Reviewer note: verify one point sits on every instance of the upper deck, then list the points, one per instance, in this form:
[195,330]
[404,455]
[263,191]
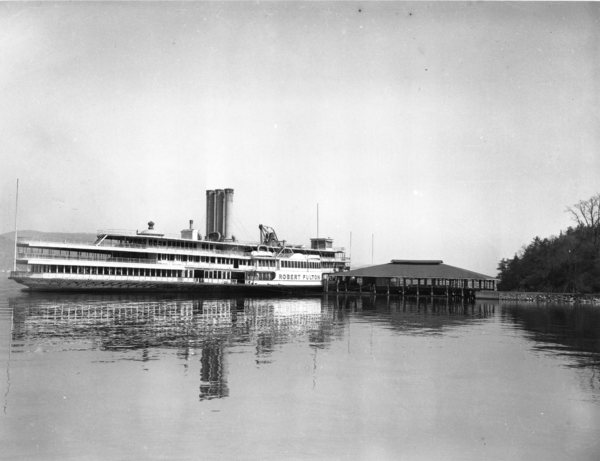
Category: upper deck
[132,244]
[135,239]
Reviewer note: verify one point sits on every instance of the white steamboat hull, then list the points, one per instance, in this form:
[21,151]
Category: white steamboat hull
[44,282]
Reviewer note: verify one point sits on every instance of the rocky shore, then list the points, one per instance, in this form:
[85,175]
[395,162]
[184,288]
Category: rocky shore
[550,298]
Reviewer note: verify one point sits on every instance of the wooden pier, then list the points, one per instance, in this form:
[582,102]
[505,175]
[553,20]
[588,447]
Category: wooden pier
[411,278]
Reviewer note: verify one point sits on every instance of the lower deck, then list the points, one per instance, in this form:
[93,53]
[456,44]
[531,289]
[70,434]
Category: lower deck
[192,280]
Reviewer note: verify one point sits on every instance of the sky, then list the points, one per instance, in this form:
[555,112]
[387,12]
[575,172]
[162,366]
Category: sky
[453,131]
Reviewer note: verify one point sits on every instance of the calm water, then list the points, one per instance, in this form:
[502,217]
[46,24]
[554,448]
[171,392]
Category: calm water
[154,377]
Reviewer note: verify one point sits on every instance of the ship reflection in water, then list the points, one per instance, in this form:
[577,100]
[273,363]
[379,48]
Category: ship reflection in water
[140,327]
[326,377]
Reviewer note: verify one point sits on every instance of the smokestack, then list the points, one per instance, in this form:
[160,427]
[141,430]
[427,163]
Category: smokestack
[210,212]
[228,214]
[219,211]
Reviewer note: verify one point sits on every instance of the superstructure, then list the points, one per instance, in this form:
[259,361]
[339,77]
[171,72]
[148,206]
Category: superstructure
[150,260]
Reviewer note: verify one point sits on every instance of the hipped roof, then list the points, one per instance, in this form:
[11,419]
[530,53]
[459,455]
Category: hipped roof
[415,269]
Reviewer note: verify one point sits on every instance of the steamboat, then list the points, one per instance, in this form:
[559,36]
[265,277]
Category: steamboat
[149,260]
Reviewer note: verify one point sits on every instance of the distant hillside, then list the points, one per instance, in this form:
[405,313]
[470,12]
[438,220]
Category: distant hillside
[7,242]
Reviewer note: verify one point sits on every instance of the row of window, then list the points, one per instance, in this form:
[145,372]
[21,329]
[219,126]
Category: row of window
[244,262]
[133,242]
[454,283]
[302,264]
[422,282]
[204,259]
[236,262]
[52,252]
[263,276]
[266,263]
[330,265]
[218,275]
[185,244]
[191,245]
[142,272]
[91,270]
[204,274]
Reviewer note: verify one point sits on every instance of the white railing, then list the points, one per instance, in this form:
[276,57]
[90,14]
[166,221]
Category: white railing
[177,250]
[167,235]
[62,242]
[98,277]
[127,232]
[108,259]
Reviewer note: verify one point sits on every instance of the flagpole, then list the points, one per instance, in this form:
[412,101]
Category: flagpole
[16,214]
[372,247]
[350,252]
[317,220]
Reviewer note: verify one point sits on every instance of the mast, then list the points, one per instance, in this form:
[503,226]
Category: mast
[317,220]
[372,246]
[16,214]
[350,249]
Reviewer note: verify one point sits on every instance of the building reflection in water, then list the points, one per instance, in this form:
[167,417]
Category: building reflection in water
[424,315]
[141,327]
[212,373]
[204,327]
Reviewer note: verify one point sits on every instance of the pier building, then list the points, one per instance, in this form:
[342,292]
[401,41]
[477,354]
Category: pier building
[412,278]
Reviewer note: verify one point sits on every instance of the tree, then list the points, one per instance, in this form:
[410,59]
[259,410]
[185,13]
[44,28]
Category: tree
[586,213]
[569,262]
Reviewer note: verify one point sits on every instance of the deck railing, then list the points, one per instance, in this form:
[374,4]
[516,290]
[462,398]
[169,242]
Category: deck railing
[101,258]
[176,250]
